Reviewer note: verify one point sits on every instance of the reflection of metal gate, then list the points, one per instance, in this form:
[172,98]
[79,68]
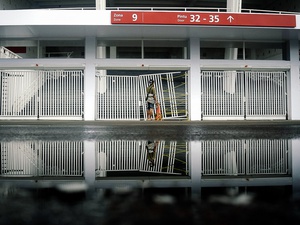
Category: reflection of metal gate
[123,97]
[129,156]
[239,95]
[43,94]
[244,157]
[41,158]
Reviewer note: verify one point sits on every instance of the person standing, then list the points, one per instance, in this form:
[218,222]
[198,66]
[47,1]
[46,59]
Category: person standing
[151,99]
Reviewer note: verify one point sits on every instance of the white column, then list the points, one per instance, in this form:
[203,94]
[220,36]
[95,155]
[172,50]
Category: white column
[100,4]
[293,82]
[233,6]
[89,79]
[194,81]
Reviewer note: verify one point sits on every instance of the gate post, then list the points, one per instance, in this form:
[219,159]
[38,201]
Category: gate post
[194,97]
[89,79]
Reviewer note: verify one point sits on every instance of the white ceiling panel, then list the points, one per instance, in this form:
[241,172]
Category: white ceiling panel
[122,32]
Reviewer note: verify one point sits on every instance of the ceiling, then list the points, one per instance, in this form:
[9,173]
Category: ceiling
[246,4]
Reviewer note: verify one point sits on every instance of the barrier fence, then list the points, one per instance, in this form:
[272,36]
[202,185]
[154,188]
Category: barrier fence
[243,95]
[59,94]
[41,94]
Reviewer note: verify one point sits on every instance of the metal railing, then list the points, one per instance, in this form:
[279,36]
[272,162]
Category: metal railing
[243,94]
[36,93]
[184,9]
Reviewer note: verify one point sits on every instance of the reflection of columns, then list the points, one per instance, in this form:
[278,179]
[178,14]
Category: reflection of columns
[296,167]
[89,163]
[230,163]
[195,168]
[102,167]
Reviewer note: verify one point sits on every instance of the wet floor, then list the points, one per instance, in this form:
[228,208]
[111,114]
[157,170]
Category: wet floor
[171,130]
[170,172]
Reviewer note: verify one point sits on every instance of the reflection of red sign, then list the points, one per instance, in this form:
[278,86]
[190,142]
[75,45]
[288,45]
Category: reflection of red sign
[203,18]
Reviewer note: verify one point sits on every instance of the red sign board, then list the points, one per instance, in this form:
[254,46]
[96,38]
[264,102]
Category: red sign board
[203,18]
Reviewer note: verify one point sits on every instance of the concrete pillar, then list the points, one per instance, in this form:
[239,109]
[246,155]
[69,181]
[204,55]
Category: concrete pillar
[233,6]
[293,86]
[194,81]
[100,4]
[195,168]
[89,79]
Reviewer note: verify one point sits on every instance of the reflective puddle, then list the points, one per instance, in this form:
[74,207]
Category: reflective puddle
[230,181]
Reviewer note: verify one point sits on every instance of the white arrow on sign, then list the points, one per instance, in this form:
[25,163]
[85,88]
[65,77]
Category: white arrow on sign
[230,18]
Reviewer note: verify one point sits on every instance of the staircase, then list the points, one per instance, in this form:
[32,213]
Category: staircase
[6,53]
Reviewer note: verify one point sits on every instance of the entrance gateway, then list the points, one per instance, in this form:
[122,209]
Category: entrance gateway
[122,97]
[59,94]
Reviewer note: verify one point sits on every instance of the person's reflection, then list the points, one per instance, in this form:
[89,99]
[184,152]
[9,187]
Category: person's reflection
[151,152]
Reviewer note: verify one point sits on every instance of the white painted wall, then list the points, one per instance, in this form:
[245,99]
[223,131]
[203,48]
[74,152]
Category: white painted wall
[54,17]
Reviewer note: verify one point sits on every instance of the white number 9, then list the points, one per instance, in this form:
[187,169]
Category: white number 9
[134,17]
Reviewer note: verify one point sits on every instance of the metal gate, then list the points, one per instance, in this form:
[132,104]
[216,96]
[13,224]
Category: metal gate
[123,97]
[265,94]
[243,95]
[19,91]
[117,97]
[41,94]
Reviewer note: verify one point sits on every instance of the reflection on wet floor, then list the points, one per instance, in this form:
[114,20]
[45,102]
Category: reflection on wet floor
[125,158]
[232,173]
